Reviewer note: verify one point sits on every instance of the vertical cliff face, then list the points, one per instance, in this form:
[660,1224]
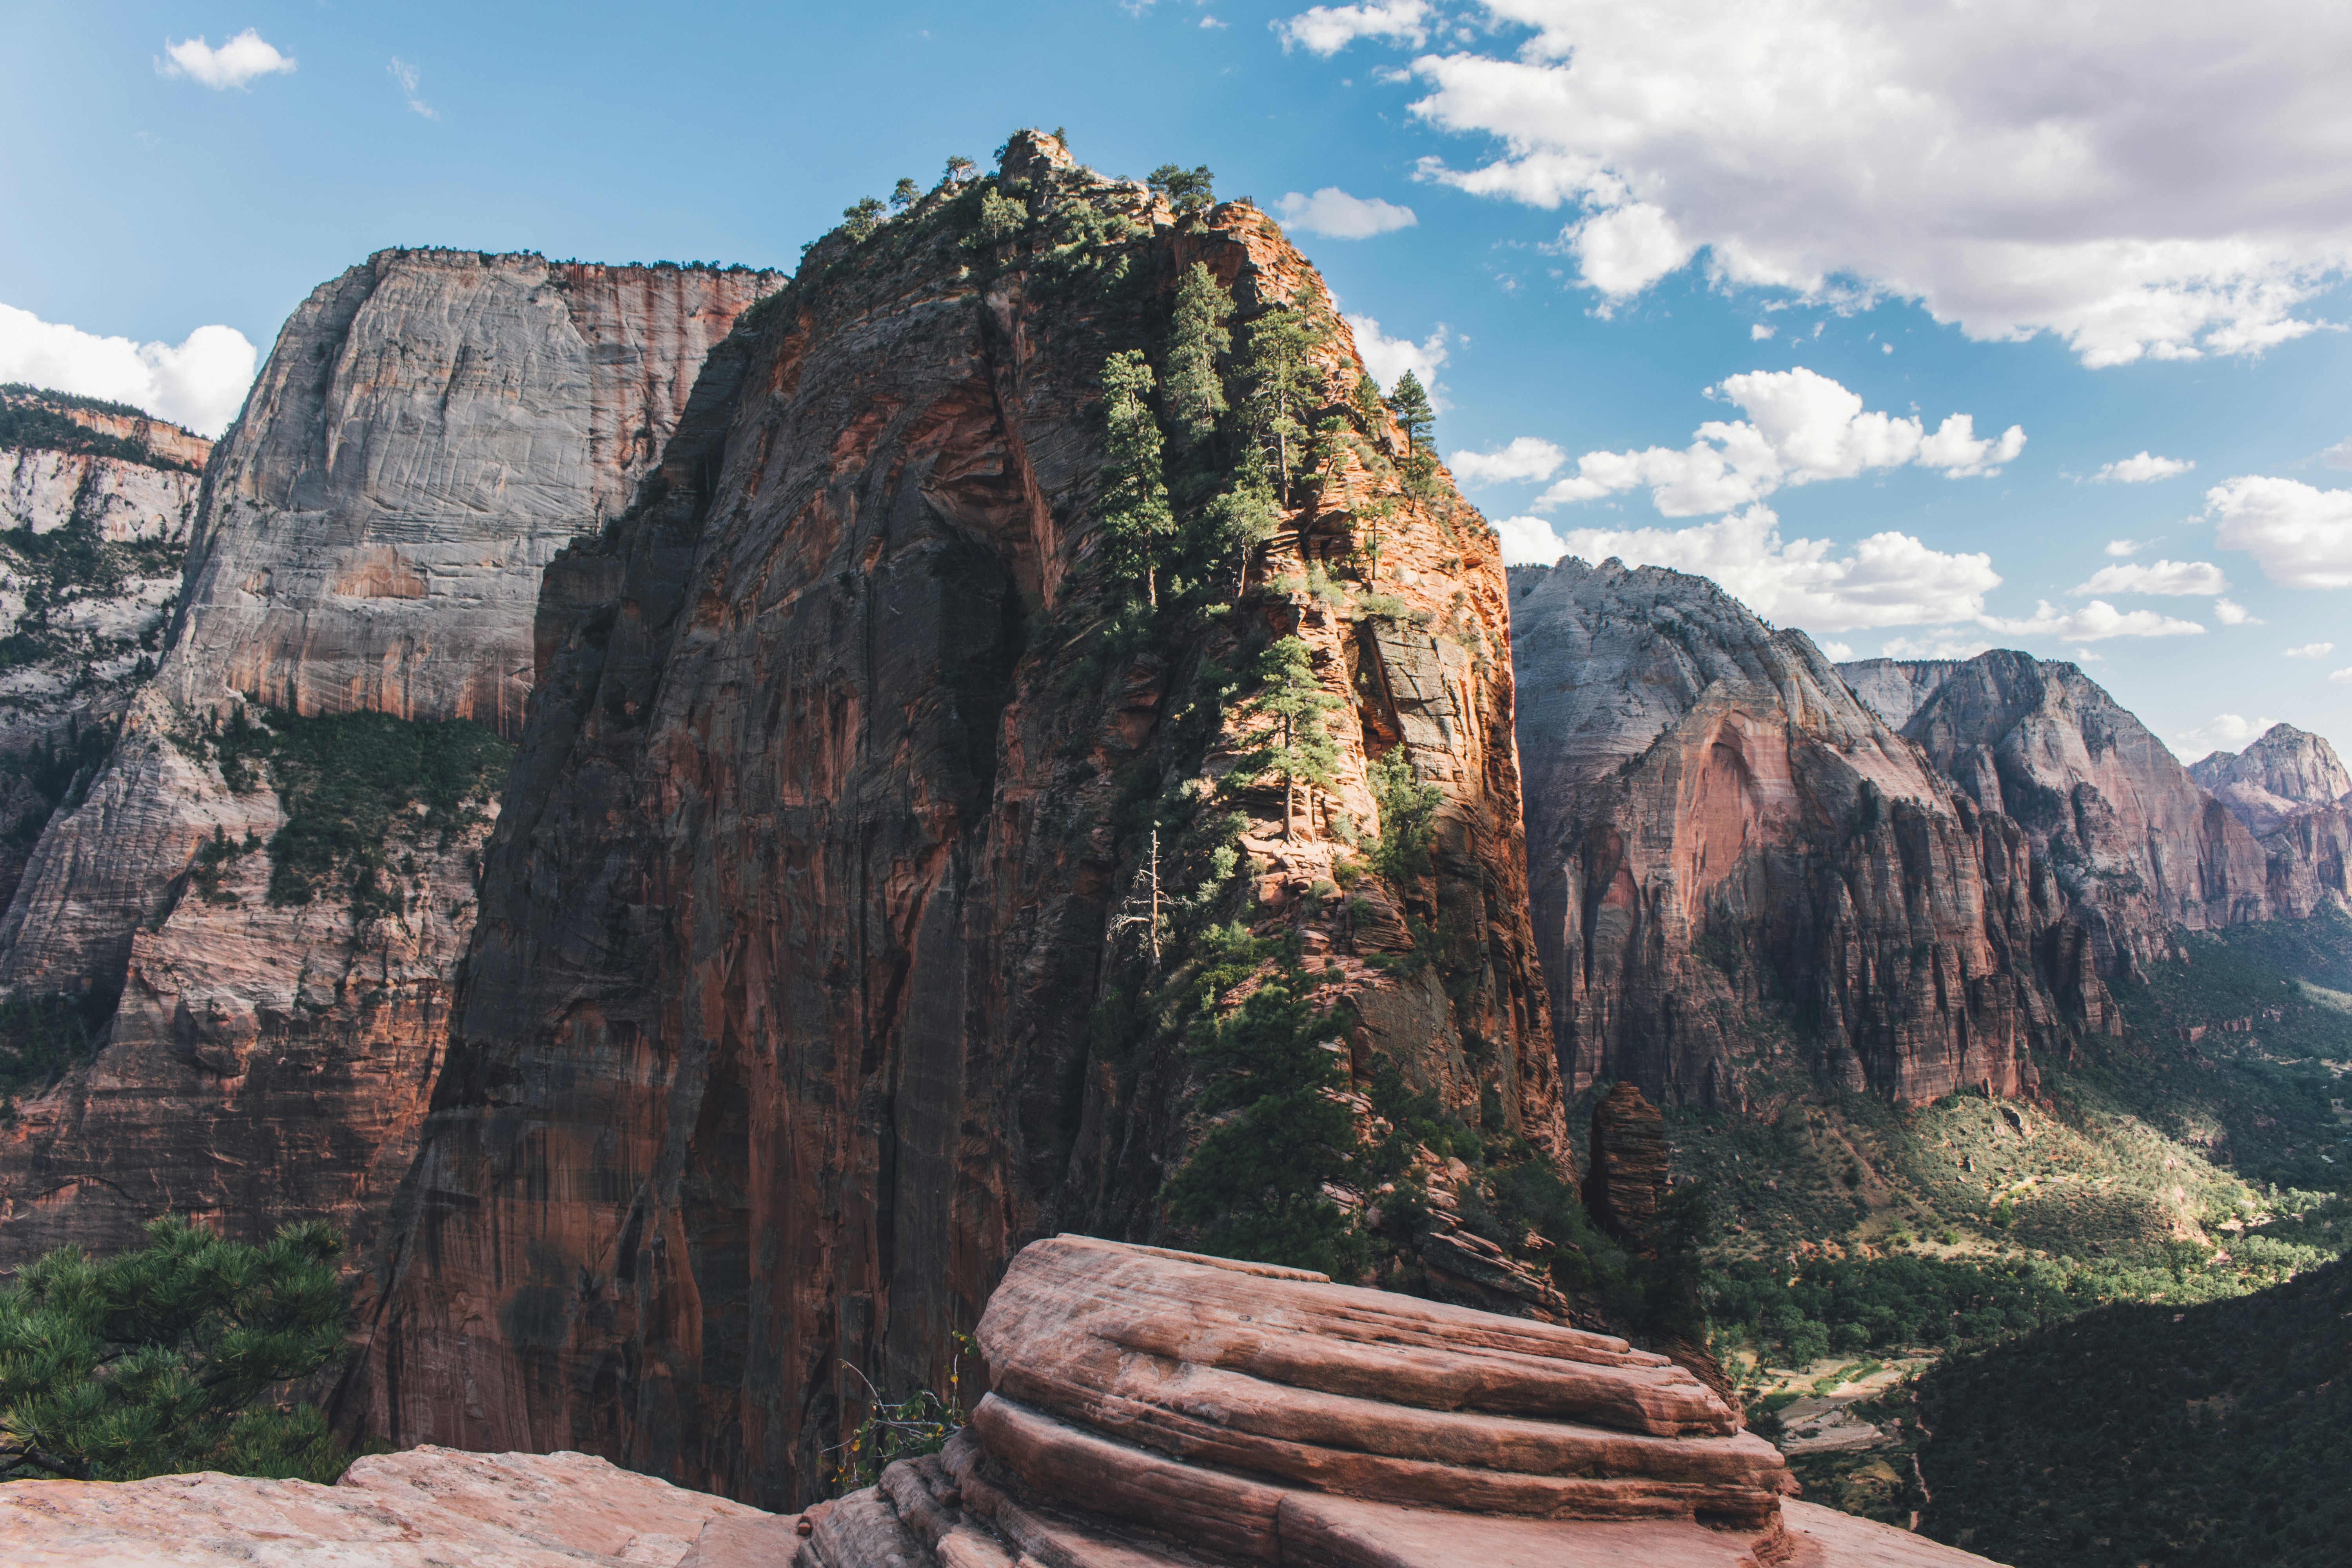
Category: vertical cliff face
[430,429]
[815,929]
[2281,773]
[2136,845]
[1733,864]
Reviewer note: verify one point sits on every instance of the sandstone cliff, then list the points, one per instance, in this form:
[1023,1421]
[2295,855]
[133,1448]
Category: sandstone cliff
[2138,846]
[1736,866]
[430,429]
[2281,773]
[814,971]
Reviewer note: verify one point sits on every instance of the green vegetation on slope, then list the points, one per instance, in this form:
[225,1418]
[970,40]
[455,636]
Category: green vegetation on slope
[164,1359]
[29,417]
[41,1036]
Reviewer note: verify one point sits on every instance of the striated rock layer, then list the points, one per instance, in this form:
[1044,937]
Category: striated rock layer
[1733,861]
[793,1008]
[1154,1407]
[2136,846]
[429,430]
[2285,771]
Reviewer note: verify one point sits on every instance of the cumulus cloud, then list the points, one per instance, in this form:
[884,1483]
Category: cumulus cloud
[2094,621]
[2299,535]
[2311,650]
[2339,456]
[2168,188]
[1335,214]
[2231,614]
[1838,652]
[1800,427]
[1886,580]
[404,74]
[1947,643]
[2126,546]
[1526,459]
[2341,677]
[1388,358]
[200,382]
[2222,732]
[2140,470]
[1327,29]
[2173,577]
[233,64]
[1758,333]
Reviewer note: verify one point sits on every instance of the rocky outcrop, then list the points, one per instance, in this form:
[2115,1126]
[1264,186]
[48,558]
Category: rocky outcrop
[1626,1171]
[430,429]
[2283,772]
[1153,1407]
[815,970]
[2135,844]
[427,1507]
[2309,853]
[1736,866]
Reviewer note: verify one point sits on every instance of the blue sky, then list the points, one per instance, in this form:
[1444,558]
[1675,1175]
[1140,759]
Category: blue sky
[2119,232]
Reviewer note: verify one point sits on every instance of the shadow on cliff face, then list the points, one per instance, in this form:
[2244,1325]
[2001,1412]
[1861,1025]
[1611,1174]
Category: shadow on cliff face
[896,816]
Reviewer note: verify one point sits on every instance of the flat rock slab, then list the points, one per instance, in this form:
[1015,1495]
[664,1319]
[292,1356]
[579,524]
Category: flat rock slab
[426,1507]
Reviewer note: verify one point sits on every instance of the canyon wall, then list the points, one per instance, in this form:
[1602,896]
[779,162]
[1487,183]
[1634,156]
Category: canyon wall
[1736,866]
[2135,844]
[430,429]
[816,969]
[2285,771]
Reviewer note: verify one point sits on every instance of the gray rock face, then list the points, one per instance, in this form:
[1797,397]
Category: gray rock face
[1894,689]
[2135,842]
[1716,825]
[430,429]
[2281,773]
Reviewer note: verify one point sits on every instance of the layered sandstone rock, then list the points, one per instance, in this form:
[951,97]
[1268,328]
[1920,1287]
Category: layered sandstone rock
[1719,835]
[2310,853]
[1154,1407]
[430,429]
[2136,845]
[428,1508]
[2285,771]
[794,1006]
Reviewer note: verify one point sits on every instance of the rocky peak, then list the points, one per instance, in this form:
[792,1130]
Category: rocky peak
[1894,689]
[2280,773]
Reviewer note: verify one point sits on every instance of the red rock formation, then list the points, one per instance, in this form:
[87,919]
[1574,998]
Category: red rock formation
[776,1038]
[430,429]
[1626,1176]
[1155,1407]
[1735,866]
[2285,771]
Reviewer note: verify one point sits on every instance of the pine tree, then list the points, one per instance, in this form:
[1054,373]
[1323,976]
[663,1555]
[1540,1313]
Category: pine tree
[1136,516]
[905,195]
[1281,373]
[960,169]
[1372,408]
[1196,338]
[1410,405]
[863,216]
[1243,518]
[162,1360]
[1296,748]
[1188,190]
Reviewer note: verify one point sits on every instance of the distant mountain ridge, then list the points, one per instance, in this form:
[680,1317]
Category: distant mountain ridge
[2282,772]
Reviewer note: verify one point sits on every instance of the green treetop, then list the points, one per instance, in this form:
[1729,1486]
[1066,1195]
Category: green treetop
[960,169]
[1245,516]
[1197,337]
[1136,516]
[162,1361]
[1187,190]
[1296,748]
[905,195]
[1410,404]
[1281,373]
[863,216]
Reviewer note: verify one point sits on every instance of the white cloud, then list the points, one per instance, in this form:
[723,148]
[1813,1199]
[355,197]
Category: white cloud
[201,382]
[2299,535]
[2126,546]
[2173,577]
[2094,621]
[1388,358]
[2339,456]
[404,74]
[2141,468]
[2341,677]
[2311,650]
[2164,183]
[1526,458]
[1327,29]
[233,64]
[2231,614]
[1802,428]
[1211,22]
[1758,333]
[2222,732]
[1335,214]
[1838,652]
[1886,580]
[1947,643]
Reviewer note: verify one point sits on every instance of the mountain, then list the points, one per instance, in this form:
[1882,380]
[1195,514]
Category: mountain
[2283,772]
[274,870]
[817,968]
[2138,846]
[1736,867]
